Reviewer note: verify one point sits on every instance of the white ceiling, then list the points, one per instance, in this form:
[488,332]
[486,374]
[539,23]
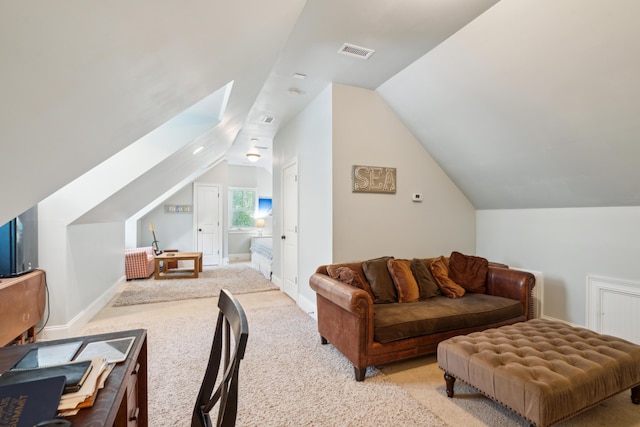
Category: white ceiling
[523,103]
[533,105]
[400,33]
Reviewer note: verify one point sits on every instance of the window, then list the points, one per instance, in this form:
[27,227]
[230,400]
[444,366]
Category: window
[242,206]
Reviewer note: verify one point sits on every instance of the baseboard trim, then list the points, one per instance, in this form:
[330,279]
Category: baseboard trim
[553,319]
[75,325]
[276,281]
[308,306]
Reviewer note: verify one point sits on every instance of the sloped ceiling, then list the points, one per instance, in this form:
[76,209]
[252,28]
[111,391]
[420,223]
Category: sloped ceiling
[533,105]
[82,80]
[523,103]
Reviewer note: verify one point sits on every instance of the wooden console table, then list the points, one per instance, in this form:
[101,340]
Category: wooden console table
[123,400]
[174,273]
[22,301]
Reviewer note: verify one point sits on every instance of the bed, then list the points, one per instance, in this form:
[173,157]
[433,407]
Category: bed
[261,255]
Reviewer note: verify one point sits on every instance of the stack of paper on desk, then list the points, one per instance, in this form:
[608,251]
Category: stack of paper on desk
[85,397]
[75,374]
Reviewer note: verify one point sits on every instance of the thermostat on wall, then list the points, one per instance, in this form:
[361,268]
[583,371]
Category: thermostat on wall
[417,197]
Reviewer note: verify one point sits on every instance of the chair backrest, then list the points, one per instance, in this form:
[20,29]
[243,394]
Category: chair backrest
[229,341]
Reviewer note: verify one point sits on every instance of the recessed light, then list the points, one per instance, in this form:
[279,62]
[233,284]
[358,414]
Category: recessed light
[299,76]
[254,140]
[294,91]
[199,149]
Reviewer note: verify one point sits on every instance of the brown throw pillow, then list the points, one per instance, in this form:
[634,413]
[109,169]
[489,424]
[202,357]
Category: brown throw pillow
[358,280]
[440,270]
[405,283]
[426,283]
[468,271]
[377,273]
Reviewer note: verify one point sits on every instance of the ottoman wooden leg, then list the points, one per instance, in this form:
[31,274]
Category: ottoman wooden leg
[450,380]
[635,395]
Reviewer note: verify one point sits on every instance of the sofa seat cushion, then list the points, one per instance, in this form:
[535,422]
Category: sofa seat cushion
[393,322]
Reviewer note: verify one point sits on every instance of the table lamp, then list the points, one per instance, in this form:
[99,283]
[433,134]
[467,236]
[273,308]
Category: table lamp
[260,225]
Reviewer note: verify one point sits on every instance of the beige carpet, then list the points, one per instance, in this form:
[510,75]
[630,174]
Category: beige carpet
[287,377]
[423,380]
[237,278]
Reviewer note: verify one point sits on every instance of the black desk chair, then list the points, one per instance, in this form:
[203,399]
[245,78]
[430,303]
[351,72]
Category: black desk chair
[230,339]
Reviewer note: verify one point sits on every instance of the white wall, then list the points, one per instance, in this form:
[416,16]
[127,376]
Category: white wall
[345,126]
[566,245]
[367,225]
[95,263]
[306,139]
[84,266]
[84,263]
[173,230]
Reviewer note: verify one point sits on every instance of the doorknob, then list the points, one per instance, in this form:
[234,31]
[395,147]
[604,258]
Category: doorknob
[283,237]
[200,229]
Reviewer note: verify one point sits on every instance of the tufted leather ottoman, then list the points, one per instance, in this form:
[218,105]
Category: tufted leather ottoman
[544,371]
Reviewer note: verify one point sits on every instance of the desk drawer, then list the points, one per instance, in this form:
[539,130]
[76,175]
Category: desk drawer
[133,410]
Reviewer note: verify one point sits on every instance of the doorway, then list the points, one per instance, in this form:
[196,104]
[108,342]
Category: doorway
[207,224]
[290,230]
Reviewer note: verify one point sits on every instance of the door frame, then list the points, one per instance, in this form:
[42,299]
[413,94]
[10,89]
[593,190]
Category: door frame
[290,163]
[196,187]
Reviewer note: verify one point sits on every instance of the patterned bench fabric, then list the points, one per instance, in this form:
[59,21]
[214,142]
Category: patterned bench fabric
[546,371]
[138,262]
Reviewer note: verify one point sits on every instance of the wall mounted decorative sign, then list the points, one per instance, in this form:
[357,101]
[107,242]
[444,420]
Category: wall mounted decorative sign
[373,179]
[177,208]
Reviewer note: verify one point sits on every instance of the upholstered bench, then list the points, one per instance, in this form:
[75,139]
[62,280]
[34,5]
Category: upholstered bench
[544,371]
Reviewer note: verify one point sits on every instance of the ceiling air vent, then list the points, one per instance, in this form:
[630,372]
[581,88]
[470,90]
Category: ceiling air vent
[357,51]
[268,120]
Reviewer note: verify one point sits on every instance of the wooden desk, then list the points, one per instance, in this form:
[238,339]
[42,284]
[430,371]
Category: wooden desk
[123,400]
[22,301]
[175,273]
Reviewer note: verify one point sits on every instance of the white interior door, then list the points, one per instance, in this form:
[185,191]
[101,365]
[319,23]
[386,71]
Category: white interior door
[290,230]
[207,222]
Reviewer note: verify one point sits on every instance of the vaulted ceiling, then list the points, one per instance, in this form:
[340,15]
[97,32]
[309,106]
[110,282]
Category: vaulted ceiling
[524,104]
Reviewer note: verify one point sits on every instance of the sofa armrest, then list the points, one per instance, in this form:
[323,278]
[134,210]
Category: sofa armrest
[514,284]
[345,296]
[139,257]
[345,319]
[137,264]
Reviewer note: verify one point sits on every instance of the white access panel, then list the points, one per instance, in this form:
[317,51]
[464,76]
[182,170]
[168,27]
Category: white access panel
[613,307]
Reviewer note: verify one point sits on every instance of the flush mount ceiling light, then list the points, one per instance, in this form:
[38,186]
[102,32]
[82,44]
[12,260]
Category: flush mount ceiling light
[253,157]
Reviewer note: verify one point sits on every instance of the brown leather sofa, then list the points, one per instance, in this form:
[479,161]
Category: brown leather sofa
[351,322]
